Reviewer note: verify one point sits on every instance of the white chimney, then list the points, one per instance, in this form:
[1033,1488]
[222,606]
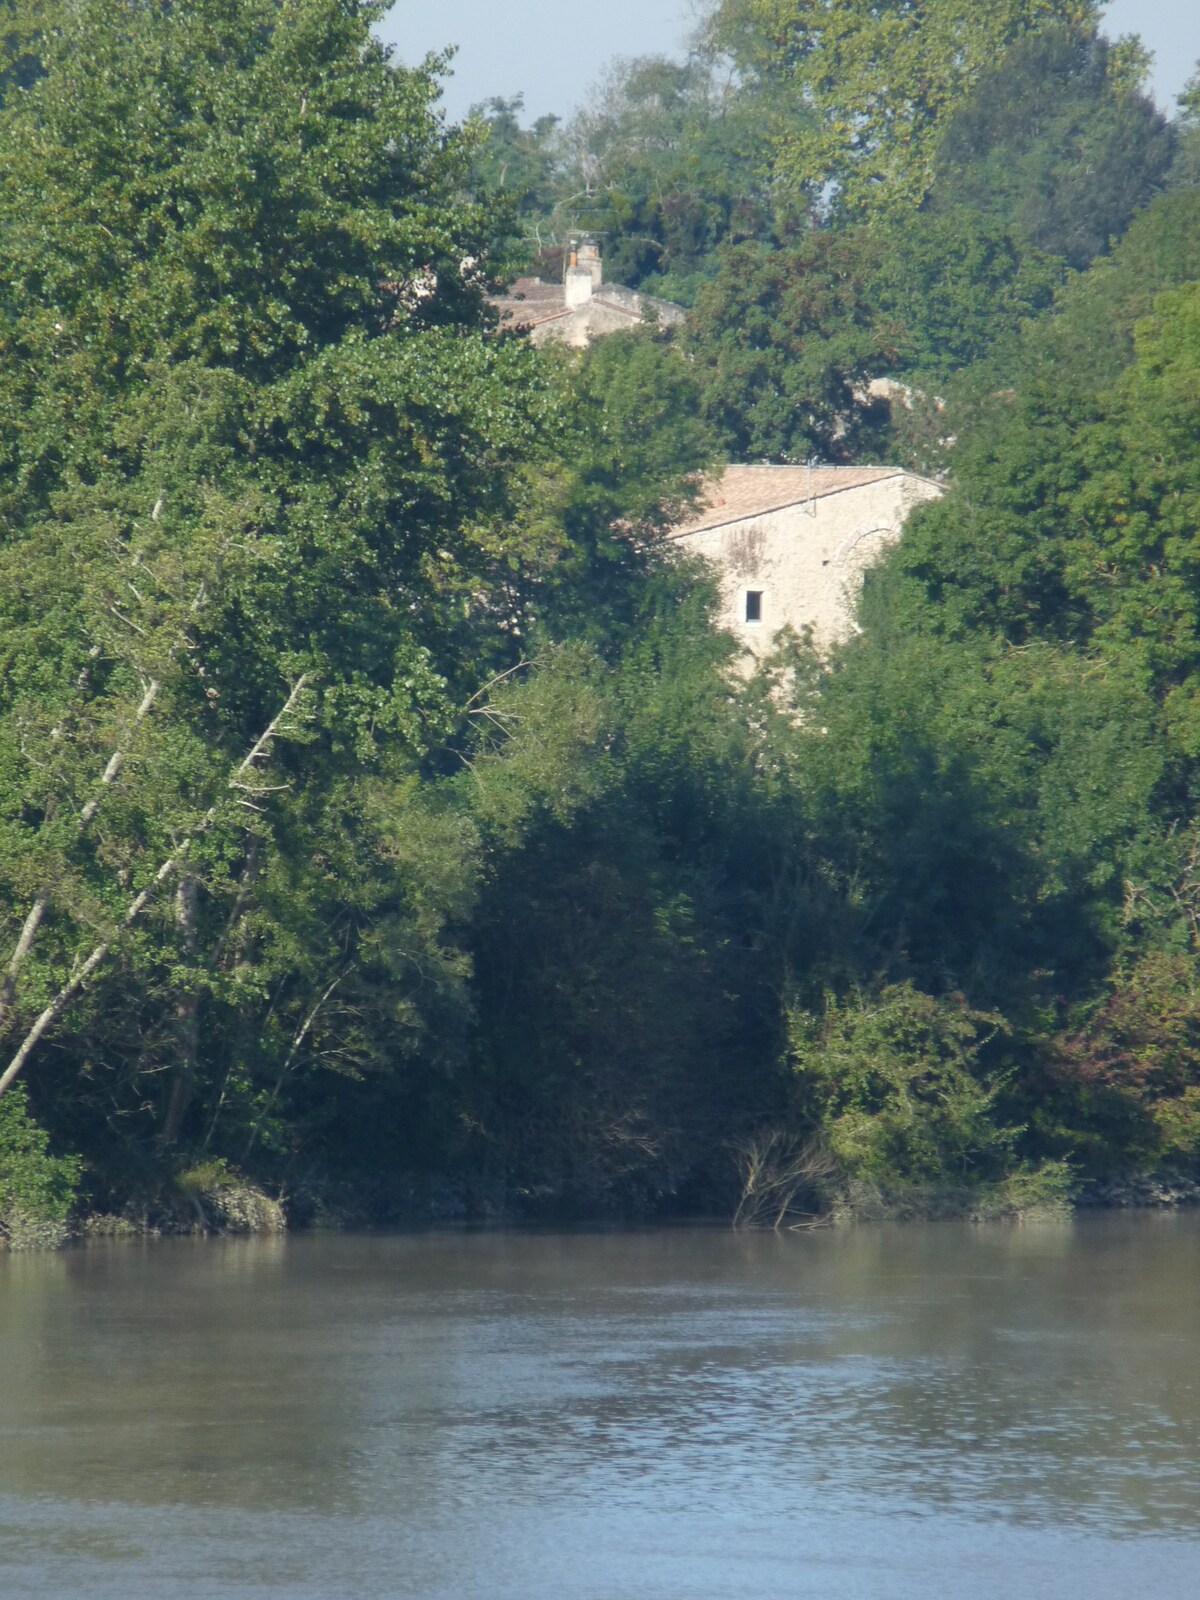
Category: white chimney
[584,273]
[577,286]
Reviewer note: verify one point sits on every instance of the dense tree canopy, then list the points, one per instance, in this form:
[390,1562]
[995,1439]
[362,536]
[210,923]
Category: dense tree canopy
[883,81]
[382,817]
[1058,140]
[247,402]
[785,342]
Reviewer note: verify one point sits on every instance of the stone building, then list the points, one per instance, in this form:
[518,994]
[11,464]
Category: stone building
[580,308]
[791,544]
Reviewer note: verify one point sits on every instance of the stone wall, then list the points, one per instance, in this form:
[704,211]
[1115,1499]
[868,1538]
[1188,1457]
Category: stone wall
[806,561]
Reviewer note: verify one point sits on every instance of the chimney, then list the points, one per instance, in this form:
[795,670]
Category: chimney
[584,273]
[588,256]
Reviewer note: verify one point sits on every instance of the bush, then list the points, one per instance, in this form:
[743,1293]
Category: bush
[1126,1085]
[893,1087]
[893,1083]
[37,1190]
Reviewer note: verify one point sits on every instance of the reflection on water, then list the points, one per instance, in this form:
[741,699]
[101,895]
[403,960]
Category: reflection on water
[870,1413]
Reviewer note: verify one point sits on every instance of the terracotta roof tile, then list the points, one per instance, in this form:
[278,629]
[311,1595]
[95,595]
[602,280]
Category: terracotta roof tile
[529,302]
[742,492]
[532,301]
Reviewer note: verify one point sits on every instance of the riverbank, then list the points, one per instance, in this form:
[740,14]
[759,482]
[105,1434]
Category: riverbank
[216,1203]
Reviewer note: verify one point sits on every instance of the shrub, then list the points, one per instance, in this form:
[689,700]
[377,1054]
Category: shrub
[892,1086]
[37,1190]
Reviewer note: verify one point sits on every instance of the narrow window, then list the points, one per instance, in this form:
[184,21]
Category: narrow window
[753,605]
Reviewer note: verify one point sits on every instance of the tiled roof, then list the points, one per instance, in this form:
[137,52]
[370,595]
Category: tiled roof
[529,302]
[742,492]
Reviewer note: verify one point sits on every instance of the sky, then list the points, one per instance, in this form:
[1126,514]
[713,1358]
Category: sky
[552,51]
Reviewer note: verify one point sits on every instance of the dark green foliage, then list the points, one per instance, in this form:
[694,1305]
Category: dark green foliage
[784,342]
[529,892]
[1059,142]
[1038,627]
[669,161]
[1185,173]
[249,403]
[514,161]
[669,164]
[37,1189]
[1077,519]
[520,166]
[628,1022]
[1087,341]
[21,24]
[252,428]
[1123,1086]
[958,283]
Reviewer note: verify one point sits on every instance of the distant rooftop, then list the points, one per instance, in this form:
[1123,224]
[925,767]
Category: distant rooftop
[581,306]
[742,492]
[529,302]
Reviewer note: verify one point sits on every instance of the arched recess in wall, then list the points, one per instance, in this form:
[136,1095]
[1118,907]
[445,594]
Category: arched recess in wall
[856,553]
[863,547]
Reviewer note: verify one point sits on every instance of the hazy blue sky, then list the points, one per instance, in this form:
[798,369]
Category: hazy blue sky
[552,50]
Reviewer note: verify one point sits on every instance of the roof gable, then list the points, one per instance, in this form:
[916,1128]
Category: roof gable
[742,492]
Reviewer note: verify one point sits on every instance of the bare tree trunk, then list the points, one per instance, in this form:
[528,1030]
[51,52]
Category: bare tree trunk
[8,986]
[140,901]
[297,1040]
[70,989]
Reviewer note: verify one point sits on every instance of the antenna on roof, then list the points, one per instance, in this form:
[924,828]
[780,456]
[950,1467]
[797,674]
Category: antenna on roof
[810,501]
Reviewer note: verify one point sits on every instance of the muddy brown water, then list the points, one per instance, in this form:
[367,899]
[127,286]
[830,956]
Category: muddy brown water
[875,1414]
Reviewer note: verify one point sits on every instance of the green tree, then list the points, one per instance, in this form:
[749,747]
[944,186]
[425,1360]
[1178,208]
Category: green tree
[785,342]
[671,160]
[1076,520]
[882,80]
[257,454]
[21,23]
[521,164]
[958,284]
[37,1189]
[1186,171]
[894,1087]
[630,439]
[633,1026]
[1059,141]
[1076,349]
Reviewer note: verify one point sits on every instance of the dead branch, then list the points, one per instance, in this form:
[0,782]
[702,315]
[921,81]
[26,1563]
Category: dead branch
[779,1172]
[499,678]
[8,987]
[297,1041]
[72,987]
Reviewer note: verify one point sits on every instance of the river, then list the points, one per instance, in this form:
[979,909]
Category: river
[934,1412]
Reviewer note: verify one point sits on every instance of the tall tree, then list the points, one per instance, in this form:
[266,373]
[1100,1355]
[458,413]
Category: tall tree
[669,161]
[256,453]
[785,342]
[882,80]
[958,283]
[1186,172]
[1059,140]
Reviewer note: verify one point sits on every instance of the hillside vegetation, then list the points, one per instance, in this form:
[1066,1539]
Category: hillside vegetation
[382,828]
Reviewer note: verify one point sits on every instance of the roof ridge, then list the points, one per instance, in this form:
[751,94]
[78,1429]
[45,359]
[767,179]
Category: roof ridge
[709,516]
